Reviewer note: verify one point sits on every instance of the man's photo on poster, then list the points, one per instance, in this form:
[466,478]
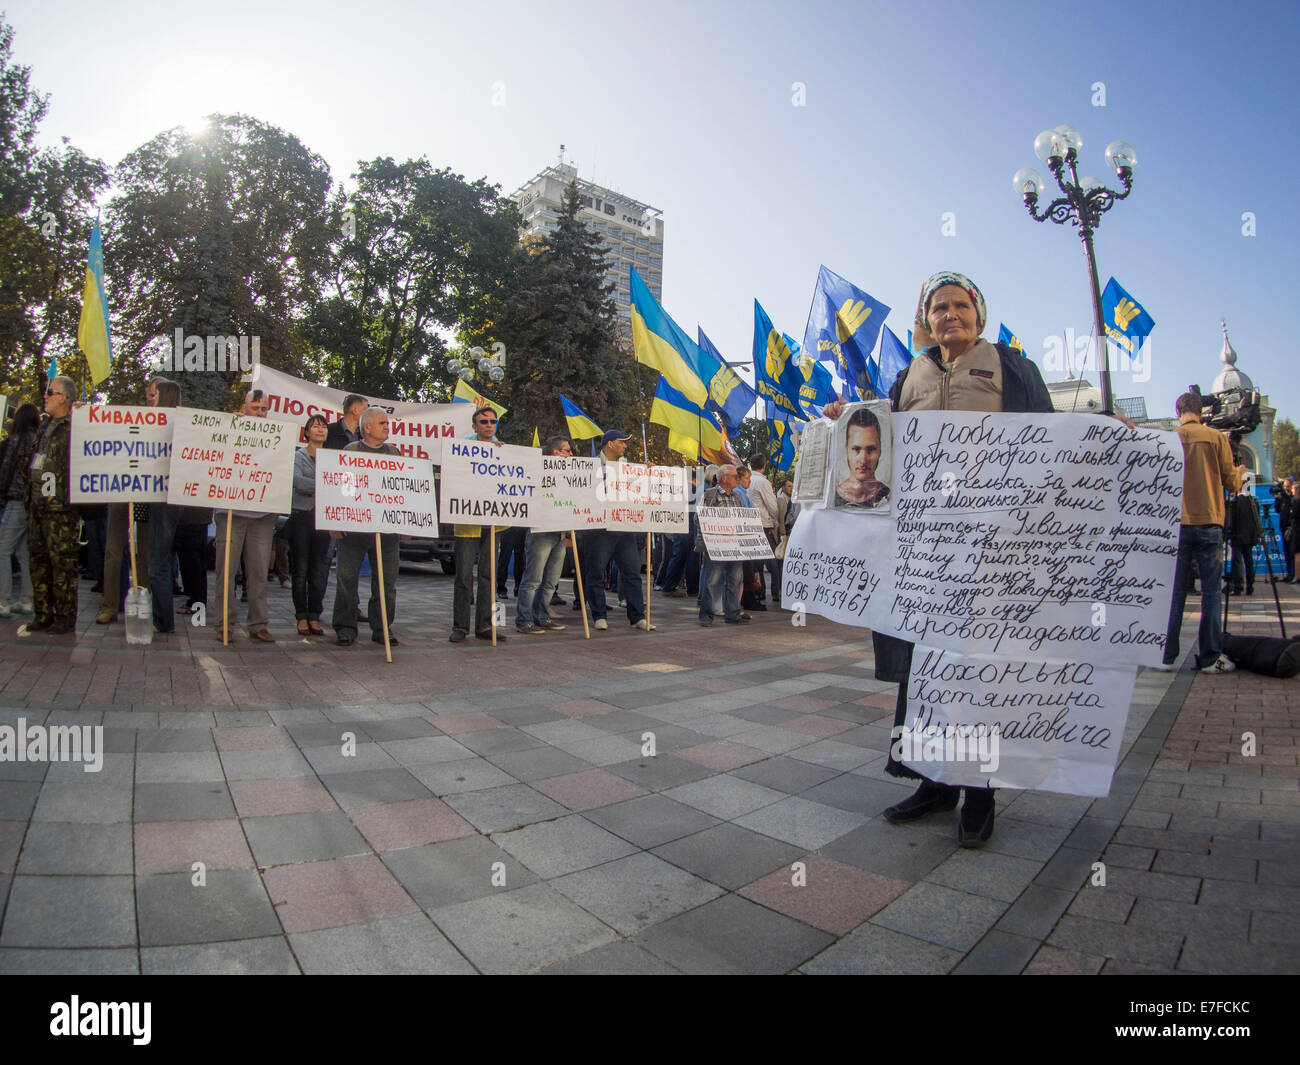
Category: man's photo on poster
[863,451]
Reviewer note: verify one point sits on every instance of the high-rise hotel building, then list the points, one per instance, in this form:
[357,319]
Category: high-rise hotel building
[633,232]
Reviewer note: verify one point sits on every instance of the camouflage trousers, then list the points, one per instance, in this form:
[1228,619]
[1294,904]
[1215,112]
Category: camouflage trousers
[52,547]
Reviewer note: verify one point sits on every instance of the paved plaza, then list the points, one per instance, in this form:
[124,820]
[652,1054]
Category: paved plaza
[477,809]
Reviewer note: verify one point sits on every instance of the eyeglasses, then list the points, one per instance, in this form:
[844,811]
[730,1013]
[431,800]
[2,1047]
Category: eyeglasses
[487,421]
[53,392]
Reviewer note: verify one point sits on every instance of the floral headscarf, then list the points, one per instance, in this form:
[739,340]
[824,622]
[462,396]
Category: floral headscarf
[921,336]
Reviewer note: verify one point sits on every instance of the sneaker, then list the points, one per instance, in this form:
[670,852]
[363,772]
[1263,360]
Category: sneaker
[457,636]
[706,622]
[551,625]
[1222,664]
[346,639]
[5,612]
[106,616]
[24,606]
[602,624]
[530,629]
[676,593]
[643,625]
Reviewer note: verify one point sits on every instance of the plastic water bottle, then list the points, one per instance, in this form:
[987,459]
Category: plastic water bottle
[139,616]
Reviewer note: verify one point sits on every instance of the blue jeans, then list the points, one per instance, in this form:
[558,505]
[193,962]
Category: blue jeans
[724,579]
[352,549]
[541,575]
[1200,550]
[624,549]
[13,541]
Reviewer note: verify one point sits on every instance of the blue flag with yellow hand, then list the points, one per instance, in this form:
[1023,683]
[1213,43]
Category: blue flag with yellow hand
[729,396]
[780,438]
[1127,323]
[1005,336]
[776,372]
[818,387]
[843,323]
[894,359]
[92,331]
[659,342]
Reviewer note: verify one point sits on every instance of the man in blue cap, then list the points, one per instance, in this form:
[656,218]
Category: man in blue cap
[622,547]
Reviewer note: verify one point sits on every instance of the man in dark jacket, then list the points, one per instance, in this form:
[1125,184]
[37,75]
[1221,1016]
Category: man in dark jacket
[347,430]
[52,522]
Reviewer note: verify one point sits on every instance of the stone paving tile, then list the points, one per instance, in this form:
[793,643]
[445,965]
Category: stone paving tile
[452,778]
[402,728]
[635,892]
[721,755]
[501,809]
[11,838]
[617,959]
[998,953]
[872,949]
[326,761]
[174,846]
[901,852]
[771,740]
[1284,899]
[263,765]
[370,786]
[425,750]
[786,774]
[342,891]
[288,838]
[101,802]
[208,801]
[1204,953]
[1218,866]
[443,874]
[1035,913]
[724,796]
[835,755]
[178,767]
[69,911]
[985,872]
[106,962]
[588,790]
[251,739]
[941,915]
[1102,904]
[728,855]
[582,707]
[397,945]
[1068,868]
[69,849]
[522,930]
[414,823]
[660,772]
[733,935]
[166,741]
[566,845]
[538,763]
[651,820]
[290,795]
[1228,923]
[1053,961]
[804,823]
[817,725]
[607,751]
[827,895]
[859,794]
[261,957]
[489,742]
[1125,942]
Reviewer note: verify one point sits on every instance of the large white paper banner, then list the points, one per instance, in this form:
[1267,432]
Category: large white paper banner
[487,484]
[646,499]
[415,429]
[231,462]
[1019,535]
[363,491]
[733,534]
[121,454]
[979,722]
[570,496]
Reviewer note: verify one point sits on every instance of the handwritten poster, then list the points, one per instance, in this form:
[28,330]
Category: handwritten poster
[362,491]
[483,484]
[230,461]
[570,496]
[977,722]
[733,534]
[121,454]
[646,499]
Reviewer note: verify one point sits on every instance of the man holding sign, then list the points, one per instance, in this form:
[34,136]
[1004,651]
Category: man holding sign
[543,568]
[724,577]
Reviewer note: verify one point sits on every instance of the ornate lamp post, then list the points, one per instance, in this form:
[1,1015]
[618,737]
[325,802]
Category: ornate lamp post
[476,360]
[1082,204]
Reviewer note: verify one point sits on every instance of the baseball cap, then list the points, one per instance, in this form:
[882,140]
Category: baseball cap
[614,434]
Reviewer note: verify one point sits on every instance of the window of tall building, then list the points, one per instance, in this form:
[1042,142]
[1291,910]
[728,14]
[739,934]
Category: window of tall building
[609,208]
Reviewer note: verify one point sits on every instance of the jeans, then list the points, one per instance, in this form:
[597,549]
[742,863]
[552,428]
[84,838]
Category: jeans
[469,551]
[675,569]
[309,561]
[723,580]
[13,541]
[541,575]
[163,518]
[1200,548]
[352,549]
[623,548]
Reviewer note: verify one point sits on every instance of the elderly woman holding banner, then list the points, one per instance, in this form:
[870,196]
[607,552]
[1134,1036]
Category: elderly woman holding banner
[958,370]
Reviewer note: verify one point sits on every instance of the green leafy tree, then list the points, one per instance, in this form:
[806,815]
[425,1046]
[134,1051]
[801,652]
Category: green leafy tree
[1286,450]
[417,254]
[220,233]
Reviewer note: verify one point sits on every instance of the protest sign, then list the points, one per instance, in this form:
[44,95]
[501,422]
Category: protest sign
[981,722]
[231,461]
[814,461]
[417,430]
[646,499]
[490,484]
[120,454]
[733,534]
[570,496]
[365,491]
[1018,535]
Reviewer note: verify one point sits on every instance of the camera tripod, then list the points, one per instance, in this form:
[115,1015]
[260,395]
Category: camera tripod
[1268,539]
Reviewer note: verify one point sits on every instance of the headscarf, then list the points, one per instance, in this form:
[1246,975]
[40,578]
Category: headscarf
[921,327]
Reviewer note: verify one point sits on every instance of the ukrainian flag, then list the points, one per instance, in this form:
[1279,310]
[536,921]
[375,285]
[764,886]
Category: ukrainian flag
[689,427]
[92,332]
[580,426]
[1005,336]
[465,394]
[780,440]
[660,342]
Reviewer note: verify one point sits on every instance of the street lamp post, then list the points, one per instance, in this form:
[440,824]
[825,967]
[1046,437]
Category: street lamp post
[476,360]
[1082,204]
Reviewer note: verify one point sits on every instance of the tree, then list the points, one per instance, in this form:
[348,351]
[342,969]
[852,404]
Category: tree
[1286,450]
[224,233]
[417,253]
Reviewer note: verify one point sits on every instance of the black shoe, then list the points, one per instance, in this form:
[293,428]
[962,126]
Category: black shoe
[97,588]
[530,629]
[457,636]
[556,600]
[39,626]
[362,618]
[346,639]
[392,640]
[742,620]
[486,634]
[60,628]
[976,823]
[927,799]
[759,606]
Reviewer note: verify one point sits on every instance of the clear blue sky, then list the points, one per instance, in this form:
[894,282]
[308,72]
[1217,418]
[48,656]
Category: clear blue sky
[912,110]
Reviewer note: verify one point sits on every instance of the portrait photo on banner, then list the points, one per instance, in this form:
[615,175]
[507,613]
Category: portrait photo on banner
[861,455]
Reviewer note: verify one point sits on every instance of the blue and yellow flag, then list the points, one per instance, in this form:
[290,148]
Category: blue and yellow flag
[92,331]
[818,386]
[464,393]
[1127,324]
[1005,336]
[776,371]
[843,323]
[580,426]
[689,427]
[780,439]
[729,396]
[660,342]
[894,359]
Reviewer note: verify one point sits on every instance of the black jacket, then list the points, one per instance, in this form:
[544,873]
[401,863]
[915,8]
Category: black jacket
[336,437]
